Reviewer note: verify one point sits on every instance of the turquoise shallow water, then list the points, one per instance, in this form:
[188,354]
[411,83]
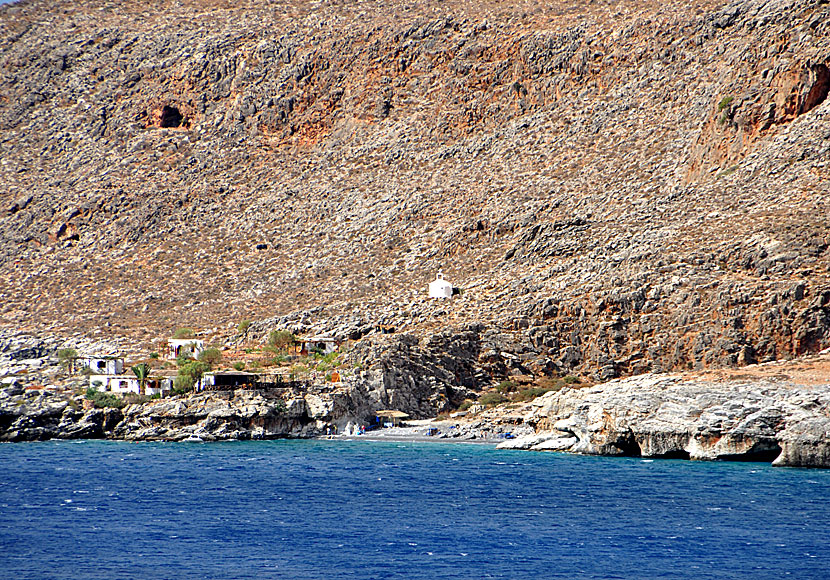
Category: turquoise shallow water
[333,509]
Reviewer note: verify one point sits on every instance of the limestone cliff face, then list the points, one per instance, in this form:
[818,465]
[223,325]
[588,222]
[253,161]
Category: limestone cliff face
[751,419]
[615,188]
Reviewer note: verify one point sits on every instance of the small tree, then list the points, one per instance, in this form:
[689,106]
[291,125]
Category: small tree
[183,383]
[67,357]
[183,333]
[210,356]
[142,373]
[189,373]
[279,339]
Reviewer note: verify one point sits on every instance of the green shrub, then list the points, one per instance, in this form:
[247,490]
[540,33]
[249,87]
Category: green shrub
[183,384]
[465,405]
[243,327]
[239,366]
[280,339]
[66,356]
[506,387]
[101,400]
[725,102]
[572,380]
[182,333]
[491,399]
[323,367]
[194,369]
[154,355]
[210,356]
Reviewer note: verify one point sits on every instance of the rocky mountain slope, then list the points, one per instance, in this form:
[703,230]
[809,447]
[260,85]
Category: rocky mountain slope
[616,187]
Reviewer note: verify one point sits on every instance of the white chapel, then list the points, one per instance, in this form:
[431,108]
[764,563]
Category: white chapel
[440,288]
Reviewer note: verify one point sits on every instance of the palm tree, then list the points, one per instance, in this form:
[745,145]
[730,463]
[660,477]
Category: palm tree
[142,372]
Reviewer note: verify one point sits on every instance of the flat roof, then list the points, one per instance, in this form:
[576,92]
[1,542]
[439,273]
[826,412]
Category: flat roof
[392,414]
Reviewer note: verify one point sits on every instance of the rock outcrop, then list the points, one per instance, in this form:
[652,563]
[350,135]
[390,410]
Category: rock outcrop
[750,419]
[36,415]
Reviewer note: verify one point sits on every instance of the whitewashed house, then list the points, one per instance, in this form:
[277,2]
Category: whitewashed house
[440,288]
[122,384]
[102,365]
[320,343]
[177,347]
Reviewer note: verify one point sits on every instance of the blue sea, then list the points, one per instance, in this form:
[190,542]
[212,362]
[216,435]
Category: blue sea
[372,510]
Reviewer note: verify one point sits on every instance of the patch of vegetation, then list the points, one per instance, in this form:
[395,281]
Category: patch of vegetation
[189,372]
[726,172]
[506,387]
[323,367]
[725,102]
[142,373]
[154,355]
[280,339]
[571,380]
[243,327]
[466,405]
[183,333]
[66,356]
[492,399]
[210,356]
[183,384]
[239,366]
[102,400]
[194,368]
[279,406]
[298,371]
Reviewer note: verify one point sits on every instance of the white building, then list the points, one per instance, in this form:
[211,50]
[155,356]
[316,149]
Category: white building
[121,384]
[177,347]
[102,365]
[440,288]
[320,343]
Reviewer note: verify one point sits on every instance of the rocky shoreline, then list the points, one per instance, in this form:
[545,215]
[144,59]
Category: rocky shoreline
[771,420]
[656,416]
[775,412]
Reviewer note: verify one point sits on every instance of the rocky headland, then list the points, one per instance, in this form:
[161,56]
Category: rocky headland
[749,418]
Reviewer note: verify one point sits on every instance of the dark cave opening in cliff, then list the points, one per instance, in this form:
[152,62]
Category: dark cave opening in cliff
[819,90]
[629,447]
[674,454]
[765,455]
[170,117]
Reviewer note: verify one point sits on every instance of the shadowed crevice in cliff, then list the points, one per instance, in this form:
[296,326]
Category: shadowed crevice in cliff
[818,92]
[676,454]
[762,455]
